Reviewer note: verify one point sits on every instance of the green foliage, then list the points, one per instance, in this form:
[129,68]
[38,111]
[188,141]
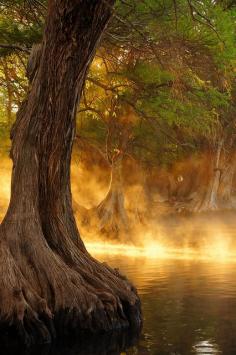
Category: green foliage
[18,34]
[91,128]
[167,73]
[21,24]
[150,74]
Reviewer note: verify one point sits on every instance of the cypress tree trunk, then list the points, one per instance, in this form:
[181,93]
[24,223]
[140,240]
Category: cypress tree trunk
[112,217]
[47,278]
[226,183]
[210,198]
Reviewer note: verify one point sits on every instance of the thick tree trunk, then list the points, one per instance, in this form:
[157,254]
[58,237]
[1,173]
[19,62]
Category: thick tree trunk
[47,278]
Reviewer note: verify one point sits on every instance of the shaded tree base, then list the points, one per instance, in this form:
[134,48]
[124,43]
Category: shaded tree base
[44,293]
[41,328]
[85,343]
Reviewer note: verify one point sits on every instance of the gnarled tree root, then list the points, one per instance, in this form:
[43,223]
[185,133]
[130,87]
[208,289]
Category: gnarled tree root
[43,296]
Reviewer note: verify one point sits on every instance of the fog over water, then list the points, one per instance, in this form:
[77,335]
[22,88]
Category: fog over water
[200,235]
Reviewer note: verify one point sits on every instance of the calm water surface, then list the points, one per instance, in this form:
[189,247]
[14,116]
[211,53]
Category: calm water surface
[189,306]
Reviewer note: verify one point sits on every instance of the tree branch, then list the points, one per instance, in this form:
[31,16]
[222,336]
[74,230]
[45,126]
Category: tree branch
[15,47]
[151,119]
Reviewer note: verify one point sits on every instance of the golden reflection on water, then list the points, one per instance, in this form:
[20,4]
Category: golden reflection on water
[206,347]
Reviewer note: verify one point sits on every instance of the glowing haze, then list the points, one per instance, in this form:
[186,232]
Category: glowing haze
[191,238]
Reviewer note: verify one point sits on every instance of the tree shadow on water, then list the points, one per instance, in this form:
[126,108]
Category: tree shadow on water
[100,344]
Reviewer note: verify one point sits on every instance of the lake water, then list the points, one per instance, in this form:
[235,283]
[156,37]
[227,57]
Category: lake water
[189,306]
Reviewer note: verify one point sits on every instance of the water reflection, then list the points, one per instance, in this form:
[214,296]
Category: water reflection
[103,344]
[206,347]
[189,306]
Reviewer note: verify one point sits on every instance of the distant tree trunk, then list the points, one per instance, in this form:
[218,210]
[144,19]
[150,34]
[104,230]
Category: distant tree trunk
[111,213]
[209,201]
[226,183]
[47,278]
[110,216]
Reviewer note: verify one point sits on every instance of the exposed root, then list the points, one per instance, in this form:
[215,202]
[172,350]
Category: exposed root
[42,295]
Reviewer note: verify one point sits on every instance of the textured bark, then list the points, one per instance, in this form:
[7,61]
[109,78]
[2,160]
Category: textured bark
[48,281]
